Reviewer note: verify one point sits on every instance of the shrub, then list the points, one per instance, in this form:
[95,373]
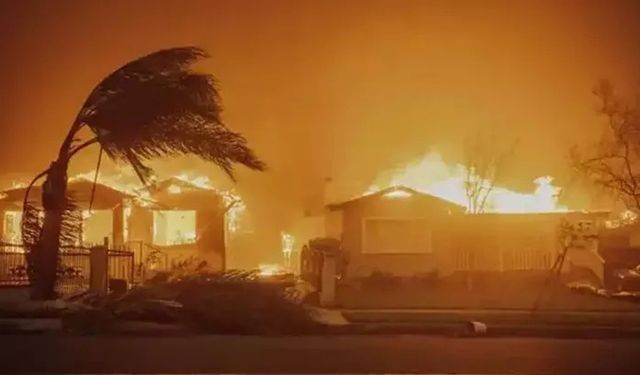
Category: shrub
[381,280]
[428,279]
[230,303]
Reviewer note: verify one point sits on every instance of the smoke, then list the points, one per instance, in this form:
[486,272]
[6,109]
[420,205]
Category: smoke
[328,91]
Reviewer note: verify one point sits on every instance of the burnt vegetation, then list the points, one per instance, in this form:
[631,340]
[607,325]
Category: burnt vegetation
[614,162]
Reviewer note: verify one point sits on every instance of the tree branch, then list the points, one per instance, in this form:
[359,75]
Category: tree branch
[82,146]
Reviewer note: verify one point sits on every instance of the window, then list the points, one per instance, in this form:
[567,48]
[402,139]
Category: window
[96,226]
[395,236]
[174,227]
[12,227]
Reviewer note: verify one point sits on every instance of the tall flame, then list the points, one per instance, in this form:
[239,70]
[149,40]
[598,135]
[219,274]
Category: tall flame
[432,175]
[126,181]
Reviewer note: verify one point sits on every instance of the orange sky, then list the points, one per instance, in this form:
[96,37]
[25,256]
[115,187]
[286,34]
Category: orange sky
[332,88]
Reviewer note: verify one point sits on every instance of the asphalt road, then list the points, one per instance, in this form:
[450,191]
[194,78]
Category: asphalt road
[378,354]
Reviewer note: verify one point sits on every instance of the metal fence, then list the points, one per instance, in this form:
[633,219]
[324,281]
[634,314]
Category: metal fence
[121,265]
[73,270]
[146,258]
[521,259]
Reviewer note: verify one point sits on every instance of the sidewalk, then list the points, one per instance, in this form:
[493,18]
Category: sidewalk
[545,323]
[502,316]
[452,323]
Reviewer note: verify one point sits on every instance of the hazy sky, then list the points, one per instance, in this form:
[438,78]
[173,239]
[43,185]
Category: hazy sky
[332,88]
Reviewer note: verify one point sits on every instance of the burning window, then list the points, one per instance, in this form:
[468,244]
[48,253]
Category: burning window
[96,226]
[395,236]
[12,227]
[174,227]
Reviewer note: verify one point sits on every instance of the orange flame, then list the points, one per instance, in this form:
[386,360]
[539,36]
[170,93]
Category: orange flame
[126,181]
[432,175]
[270,270]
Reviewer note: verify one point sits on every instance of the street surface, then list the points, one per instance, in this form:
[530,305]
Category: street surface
[367,353]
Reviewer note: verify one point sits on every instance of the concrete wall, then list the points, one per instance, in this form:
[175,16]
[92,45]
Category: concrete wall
[362,264]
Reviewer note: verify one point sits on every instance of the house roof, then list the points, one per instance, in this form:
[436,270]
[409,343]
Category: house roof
[175,193]
[105,197]
[398,192]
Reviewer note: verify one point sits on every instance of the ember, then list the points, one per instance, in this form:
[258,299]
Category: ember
[270,270]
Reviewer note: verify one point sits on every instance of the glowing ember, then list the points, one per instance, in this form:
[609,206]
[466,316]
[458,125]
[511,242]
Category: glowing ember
[397,194]
[202,182]
[433,176]
[124,181]
[12,228]
[626,217]
[270,270]
[288,242]
[18,184]
[175,189]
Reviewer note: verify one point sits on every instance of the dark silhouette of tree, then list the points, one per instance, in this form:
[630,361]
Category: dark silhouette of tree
[156,106]
[484,161]
[614,162]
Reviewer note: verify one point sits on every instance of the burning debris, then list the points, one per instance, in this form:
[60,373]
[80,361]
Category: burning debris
[271,269]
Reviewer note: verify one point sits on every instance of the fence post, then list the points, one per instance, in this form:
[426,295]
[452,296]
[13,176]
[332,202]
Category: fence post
[98,270]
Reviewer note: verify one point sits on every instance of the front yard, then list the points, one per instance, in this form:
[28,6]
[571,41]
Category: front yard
[507,291]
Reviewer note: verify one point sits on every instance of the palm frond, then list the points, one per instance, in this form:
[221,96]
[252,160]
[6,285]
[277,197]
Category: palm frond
[33,218]
[71,225]
[31,225]
[157,106]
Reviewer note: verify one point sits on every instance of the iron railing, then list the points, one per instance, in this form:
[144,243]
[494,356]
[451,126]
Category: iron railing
[73,270]
[147,257]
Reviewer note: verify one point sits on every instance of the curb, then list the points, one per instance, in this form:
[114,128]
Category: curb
[451,329]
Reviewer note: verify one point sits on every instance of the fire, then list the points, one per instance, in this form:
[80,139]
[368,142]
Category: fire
[18,184]
[288,242]
[126,181]
[175,189]
[123,180]
[233,203]
[270,270]
[432,175]
[202,182]
[626,217]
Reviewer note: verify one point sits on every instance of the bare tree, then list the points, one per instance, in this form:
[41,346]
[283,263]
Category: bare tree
[614,162]
[484,161]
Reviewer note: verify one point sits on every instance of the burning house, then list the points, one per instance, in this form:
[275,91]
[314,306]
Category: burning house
[176,220]
[405,232]
[424,222]
[183,221]
[103,216]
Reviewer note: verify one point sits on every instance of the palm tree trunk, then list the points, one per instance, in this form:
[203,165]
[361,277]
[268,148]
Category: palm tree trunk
[54,194]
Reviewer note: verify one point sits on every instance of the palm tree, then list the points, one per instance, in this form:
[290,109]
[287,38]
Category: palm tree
[155,106]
